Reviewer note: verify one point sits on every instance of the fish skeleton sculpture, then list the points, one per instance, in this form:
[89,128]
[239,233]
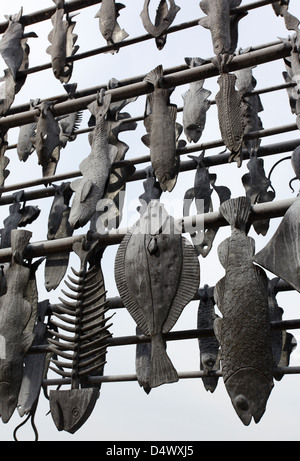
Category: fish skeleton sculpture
[222,25]
[17,317]
[108,24]
[244,331]
[160,124]
[157,274]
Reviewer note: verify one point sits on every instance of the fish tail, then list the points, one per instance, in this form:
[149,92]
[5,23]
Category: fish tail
[154,75]
[236,211]
[161,368]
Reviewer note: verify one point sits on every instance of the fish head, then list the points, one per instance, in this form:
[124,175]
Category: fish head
[249,390]
[10,383]
[194,132]
[58,67]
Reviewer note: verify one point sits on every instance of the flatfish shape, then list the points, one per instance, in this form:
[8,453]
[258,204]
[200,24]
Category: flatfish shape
[281,254]
[157,273]
[244,331]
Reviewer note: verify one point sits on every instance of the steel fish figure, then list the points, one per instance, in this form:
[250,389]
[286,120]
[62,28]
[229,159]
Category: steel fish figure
[244,332]
[160,119]
[195,106]
[109,27]
[157,274]
[17,317]
[222,26]
[25,145]
[95,168]
[62,42]
[231,110]
[47,141]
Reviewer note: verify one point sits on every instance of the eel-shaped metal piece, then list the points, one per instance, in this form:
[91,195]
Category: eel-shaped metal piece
[257,186]
[17,317]
[25,144]
[244,331]
[47,140]
[231,110]
[82,342]
[157,274]
[164,18]
[58,227]
[222,25]
[19,216]
[108,24]
[62,41]
[209,347]
[95,168]
[159,121]
[11,47]
[281,255]
[195,105]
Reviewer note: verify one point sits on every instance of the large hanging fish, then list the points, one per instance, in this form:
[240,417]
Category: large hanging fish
[244,332]
[25,145]
[62,41]
[95,168]
[160,119]
[195,106]
[109,27]
[157,274]
[17,317]
[222,25]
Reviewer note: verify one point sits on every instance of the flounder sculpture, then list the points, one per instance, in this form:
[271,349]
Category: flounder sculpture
[244,331]
[160,124]
[157,274]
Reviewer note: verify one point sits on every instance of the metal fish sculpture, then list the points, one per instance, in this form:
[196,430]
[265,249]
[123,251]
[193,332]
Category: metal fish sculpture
[281,9]
[244,331]
[19,216]
[70,123]
[164,18]
[195,105]
[25,144]
[7,92]
[4,161]
[209,347]
[159,121]
[109,27]
[231,110]
[17,317]
[157,274]
[222,25]
[11,48]
[280,255]
[58,227]
[83,348]
[95,168]
[47,139]
[62,41]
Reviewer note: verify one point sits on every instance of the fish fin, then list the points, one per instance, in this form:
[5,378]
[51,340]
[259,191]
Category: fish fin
[223,252]
[75,184]
[173,111]
[204,5]
[236,211]
[161,368]
[218,328]
[235,3]
[86,189]
[204,22]
[218,297]
[154,75]
[146,140]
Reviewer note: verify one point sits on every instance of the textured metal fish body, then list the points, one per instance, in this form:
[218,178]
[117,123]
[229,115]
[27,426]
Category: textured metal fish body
[10,44]
[17,317]
[223,28]
[83,348]
[62,45]
[109,27]
[164,17]
[95,169]
[231,115]
[244,331]
[4,161]
[281,254]
[157,274]
[47,142]
[209,347]
[195,106]
[160,119]
[25,145]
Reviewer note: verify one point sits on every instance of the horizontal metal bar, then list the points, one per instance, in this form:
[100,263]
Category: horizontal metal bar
[141,88]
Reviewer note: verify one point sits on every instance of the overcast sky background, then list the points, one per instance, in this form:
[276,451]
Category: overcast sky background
[185,410]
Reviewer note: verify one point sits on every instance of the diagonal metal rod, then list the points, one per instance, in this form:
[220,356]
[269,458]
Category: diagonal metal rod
[252,58]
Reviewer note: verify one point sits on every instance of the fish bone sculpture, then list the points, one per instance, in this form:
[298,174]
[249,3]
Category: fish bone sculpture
[160,124]
[157,274]
[244,331]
